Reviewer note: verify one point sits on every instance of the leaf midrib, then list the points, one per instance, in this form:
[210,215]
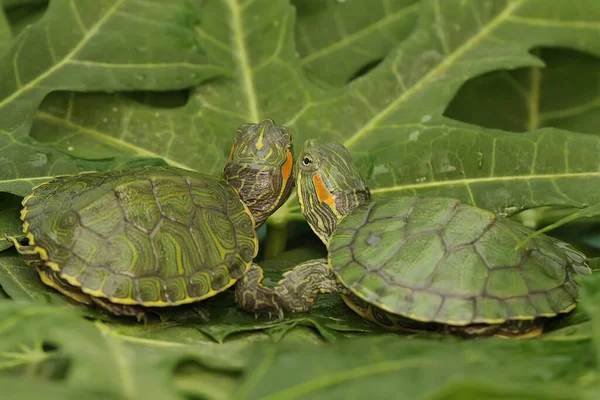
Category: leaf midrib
[446,63]
[468,181]
[241,53]
[338,378]
[388,20]
[119,143]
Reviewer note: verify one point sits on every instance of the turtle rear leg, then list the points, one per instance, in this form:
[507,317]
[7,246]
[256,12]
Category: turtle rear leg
[52,279]
[525,329]
[121,309]
[296,292]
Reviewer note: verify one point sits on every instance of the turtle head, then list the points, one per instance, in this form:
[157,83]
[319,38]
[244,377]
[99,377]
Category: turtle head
[260,167]
[329,185]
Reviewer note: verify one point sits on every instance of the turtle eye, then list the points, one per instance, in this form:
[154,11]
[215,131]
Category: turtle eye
[306,161]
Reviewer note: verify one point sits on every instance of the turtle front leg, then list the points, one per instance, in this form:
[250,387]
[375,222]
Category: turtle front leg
[301,286]
[296,292]
[253,296]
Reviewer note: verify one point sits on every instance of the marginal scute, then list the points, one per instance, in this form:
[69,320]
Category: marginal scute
[519,307]
[458,310]
[506,282]
[118,286]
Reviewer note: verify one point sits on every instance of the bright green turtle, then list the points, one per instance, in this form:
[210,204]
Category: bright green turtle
[160,236]
[424,263]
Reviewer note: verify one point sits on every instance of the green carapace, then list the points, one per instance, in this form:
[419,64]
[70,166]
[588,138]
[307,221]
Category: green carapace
[424,263]
[160,236]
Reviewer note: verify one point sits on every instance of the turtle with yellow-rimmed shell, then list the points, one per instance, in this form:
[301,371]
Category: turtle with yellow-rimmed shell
[424,263]
[160,236]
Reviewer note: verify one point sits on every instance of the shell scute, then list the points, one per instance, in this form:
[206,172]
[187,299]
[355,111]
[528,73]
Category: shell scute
[152,236]
[452,263]
[466,225]
[506,282]
[463,274]
[415,261]
[430,213]
[138,204]
[456,309]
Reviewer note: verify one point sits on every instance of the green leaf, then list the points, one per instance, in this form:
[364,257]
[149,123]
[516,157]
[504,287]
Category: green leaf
[337,39]
[10,209]
[392,119]
[21,13]
[254,38]
[563,94]
[78,45]
[5,32]
[422,369]
[103,361]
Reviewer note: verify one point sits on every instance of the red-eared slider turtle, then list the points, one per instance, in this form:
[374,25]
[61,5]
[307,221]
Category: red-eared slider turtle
[159,236]
[424,263]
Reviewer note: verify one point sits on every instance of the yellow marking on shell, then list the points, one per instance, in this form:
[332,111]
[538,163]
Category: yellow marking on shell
[178,256]
[32,194]
[159,303]
[80,297]
[53,266]
[27,198]
[104,217]
[42,253]
[29,235]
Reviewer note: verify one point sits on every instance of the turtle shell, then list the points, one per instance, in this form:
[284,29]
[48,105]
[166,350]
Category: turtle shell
[157,236]
[437,260]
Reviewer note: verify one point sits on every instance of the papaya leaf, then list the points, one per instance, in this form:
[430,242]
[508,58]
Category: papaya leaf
[10,208]
[5,32]
[105,362]
[338,40]
[392,119]
[78,45]
[396,108]
[526,99]
[422,369]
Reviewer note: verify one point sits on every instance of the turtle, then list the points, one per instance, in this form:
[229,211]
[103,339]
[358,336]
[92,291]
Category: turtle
[159,236]
[424,263]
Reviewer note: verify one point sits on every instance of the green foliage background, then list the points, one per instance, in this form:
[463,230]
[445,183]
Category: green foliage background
[495,102]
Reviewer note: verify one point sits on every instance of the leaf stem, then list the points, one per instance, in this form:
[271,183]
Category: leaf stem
[276,239]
